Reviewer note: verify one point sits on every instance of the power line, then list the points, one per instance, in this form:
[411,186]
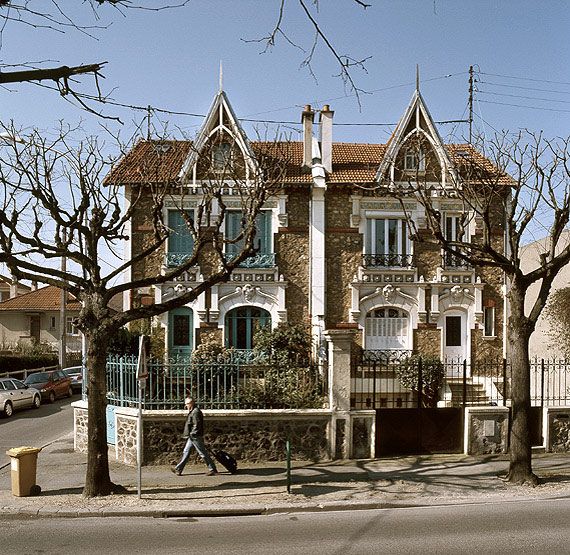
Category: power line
[524,88]
[525,97]
[525,78]
[523,106]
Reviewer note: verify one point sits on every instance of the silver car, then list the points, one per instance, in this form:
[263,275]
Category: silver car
[15,394]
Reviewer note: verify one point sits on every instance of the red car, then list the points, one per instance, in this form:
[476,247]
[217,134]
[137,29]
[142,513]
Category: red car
[51,384]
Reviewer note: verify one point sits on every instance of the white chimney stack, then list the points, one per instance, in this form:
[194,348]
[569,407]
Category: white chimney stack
[326,121]
[307,119]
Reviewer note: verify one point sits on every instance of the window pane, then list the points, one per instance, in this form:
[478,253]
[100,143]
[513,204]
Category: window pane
[392,237]
[489,321]
[181,330]
[453,331]
[180,240]
[380,237]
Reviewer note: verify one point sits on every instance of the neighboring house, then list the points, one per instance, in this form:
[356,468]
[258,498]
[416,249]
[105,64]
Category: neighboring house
[541,344]
[10,288]
[331,253]
[34,317]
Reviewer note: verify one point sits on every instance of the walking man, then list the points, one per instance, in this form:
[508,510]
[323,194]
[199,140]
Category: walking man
[194,436]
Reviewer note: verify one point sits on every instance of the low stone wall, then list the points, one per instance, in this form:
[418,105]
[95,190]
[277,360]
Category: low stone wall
[557,425]
[486,430]
[247,435]
[80,426]
[363,434]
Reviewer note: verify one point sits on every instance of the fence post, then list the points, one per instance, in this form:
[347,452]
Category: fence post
[464,392]
[420,382]
[504,382]
[541,383]
[373,383]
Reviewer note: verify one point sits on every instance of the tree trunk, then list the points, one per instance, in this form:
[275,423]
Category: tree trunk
[97,480]
[520,467]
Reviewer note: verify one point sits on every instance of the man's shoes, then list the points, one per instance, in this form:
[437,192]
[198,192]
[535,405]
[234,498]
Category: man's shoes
[212,473]
[176,471]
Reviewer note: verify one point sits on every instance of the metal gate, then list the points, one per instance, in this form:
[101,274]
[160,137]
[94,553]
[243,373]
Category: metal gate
[417,431]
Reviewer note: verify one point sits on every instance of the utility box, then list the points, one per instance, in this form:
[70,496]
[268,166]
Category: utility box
[23,464]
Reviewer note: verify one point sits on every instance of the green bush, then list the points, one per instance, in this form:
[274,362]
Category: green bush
[285,377]
[432,377]
[13,363]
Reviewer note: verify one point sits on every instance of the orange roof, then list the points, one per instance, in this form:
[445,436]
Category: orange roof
[162,161]
[44,299]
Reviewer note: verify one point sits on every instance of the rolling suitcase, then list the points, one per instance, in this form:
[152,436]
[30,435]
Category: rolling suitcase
[227,461]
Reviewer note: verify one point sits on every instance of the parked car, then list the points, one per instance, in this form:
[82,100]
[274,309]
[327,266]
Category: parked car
[52,384]
[15,394]
[75,373]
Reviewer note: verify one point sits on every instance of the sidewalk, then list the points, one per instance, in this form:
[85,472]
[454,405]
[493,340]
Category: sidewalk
[261,488]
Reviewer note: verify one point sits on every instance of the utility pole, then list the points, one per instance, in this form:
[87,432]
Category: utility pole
[470,104]
[63,313]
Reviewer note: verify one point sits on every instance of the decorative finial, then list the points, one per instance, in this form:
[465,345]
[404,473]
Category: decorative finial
[221,77]
[417,77]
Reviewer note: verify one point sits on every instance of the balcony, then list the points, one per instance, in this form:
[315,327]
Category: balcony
[257,260]
[453,262]
[388,260]
[174,259]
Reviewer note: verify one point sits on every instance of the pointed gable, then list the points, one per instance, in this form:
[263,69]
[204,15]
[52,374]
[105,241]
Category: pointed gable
[417,131]
[221,128]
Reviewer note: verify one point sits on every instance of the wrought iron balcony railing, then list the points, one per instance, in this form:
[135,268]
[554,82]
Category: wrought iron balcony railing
[258,260]
[455,262]
[387,260]
[174,259]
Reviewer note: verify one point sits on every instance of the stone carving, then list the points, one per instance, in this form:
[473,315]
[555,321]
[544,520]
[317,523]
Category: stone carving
[389,292]
[249,292]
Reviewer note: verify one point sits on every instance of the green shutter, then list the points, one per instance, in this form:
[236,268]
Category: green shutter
[180,240]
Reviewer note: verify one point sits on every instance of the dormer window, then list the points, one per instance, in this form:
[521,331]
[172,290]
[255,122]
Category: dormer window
[222,156]
[414,160]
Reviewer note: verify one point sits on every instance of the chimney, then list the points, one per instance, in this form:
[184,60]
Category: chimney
[34,286]
[13,289]
[326,121]
[307,119]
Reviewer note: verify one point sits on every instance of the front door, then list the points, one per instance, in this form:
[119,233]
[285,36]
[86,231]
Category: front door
[455,336]
[35,328]
[180,331]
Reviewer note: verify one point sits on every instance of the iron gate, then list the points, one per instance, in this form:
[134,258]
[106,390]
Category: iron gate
[417,431]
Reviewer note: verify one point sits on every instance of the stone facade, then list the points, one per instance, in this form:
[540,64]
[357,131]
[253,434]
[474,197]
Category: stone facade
[558,425]
[486,430]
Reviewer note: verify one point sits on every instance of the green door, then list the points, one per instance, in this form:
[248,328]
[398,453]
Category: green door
[180,331]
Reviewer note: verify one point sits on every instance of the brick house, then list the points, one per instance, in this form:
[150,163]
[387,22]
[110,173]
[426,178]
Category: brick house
[335,250]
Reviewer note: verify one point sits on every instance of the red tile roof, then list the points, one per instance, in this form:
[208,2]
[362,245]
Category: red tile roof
[44,299]
[161,161]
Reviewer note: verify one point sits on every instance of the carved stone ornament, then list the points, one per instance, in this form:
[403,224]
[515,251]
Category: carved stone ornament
[248,291]
[457,293]
[389,292]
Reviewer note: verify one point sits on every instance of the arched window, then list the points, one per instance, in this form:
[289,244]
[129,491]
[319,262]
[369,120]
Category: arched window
[386,328]
[242,323]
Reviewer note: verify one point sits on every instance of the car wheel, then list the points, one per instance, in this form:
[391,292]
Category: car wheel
[8,410]
[69,391]
[36,402]
[51,397]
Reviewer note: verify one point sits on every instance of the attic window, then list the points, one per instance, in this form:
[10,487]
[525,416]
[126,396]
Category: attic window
[462,154]
[415,160]
[222,156]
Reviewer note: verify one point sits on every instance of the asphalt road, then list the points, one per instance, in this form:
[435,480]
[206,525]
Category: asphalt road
[507,527]
[36,428]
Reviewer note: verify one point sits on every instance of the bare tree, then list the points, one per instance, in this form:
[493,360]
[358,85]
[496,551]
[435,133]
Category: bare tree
[520,186]
[55,16]
[56,202]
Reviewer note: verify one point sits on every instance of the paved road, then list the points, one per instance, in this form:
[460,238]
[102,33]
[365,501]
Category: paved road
[36,427]
[505,527]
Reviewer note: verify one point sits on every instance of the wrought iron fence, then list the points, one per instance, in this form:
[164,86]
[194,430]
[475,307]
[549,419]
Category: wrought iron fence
[376,383]
[219,385]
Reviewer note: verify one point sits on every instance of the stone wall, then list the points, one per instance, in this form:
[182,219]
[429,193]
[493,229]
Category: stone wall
[557,420]
[80,426]
[363,430]
[126,439]
[486,430]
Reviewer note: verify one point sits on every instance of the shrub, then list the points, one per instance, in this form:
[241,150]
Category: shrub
[432,376]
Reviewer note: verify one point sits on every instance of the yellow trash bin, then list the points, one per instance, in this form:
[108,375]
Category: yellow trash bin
[23,464]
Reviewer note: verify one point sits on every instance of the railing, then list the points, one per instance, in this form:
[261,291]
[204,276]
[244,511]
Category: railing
[23,374]
[456,262]
[376,382]
[174,259]
[257,260]
[220,385]
[387,260]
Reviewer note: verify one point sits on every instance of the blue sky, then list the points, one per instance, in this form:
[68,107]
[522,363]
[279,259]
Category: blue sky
[170,60]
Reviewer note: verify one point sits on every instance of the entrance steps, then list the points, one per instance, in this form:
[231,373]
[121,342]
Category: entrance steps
[475,393]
